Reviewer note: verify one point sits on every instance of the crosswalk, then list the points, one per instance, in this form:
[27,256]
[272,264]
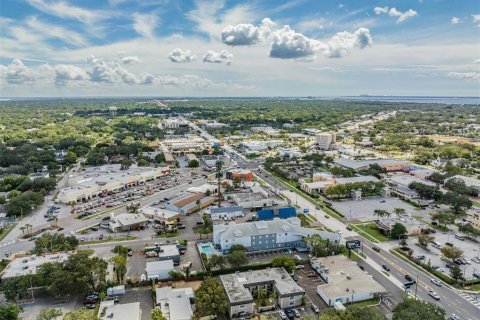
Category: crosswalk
[7,243]
[472,299]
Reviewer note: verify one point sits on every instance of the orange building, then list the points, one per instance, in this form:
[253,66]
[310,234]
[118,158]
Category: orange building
[242,174]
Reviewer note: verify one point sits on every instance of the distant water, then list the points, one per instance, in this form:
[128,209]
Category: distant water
[415,99]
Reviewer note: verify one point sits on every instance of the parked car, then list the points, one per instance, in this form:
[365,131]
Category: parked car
[290,314]
[420,257]
[433,294]
[349,228]
[449,244]
[296,313]
[315,308]
[300,266]
[282,315]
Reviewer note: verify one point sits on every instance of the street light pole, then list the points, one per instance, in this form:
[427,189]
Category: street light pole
[416,287]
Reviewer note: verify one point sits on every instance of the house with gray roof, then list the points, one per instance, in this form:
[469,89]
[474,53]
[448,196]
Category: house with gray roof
[242,288]
[276,234]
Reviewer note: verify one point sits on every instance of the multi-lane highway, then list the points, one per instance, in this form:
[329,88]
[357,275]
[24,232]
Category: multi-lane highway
[451,300]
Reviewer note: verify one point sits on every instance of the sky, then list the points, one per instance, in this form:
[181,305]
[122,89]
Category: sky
[323,48]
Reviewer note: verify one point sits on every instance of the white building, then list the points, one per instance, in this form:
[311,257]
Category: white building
[159,269]
[172,123]
[225,212]
[94,182]
[28,265]
[320,182]
[175,303]
[242,286]
[126,311]
[290,152]
[326,140]
[158,214]
[345,281]
[277,234]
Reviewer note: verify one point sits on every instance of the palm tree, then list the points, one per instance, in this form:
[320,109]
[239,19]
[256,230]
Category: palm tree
[381,213]
[23,228]
[399,212]
[29,228]
[262,296]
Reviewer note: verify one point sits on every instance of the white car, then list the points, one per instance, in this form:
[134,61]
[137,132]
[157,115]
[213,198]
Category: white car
[433,294]
[440,269]
[71,233]
[453,316]
[282,315]
[436,282]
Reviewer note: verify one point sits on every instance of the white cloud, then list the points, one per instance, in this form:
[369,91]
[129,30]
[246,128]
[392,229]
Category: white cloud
[109,72]
[380,10]
[64,10]
[465,75]
[48,30]
[393,12]
[63,73]
[16,73]
[211,16]
[218,57]
[476,18]
[341,43]
[181,56]
[145,24]
[128,59]
[456,20]
[288,44]
[241,34]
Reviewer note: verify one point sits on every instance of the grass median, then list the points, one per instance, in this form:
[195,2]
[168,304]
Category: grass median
[5,231]
[371,230]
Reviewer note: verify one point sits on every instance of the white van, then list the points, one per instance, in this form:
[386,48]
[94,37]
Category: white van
[436,244]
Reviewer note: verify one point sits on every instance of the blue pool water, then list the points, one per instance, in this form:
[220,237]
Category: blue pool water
[207,250]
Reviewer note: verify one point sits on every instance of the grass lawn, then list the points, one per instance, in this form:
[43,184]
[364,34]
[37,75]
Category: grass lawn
[371,230]
[364,304]
[5,231]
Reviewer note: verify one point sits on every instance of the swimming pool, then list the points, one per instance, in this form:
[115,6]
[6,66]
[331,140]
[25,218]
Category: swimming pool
[207,249]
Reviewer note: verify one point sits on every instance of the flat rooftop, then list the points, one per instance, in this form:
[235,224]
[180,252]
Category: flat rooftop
[356,164]
[126,311]
[344,274]
[236,284]
[28,265]
[406,179]
[168,251]
[175,303]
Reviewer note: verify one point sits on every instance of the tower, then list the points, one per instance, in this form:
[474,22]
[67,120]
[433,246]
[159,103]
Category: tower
[112,111]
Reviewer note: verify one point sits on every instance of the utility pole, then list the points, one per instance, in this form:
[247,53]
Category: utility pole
[218,165]
[416,287]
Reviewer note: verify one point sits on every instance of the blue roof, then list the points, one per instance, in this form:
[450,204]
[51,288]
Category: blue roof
[226,209]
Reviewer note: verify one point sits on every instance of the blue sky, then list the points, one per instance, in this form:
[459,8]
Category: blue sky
[239,48]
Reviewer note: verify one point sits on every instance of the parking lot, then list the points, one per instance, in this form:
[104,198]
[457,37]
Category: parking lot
[309,282]
[363,210]
[470,248]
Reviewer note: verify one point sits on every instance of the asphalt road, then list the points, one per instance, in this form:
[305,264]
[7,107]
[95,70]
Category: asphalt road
[450,300]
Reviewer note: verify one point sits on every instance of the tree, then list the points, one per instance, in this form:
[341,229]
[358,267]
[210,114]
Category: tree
[468,230]
[9,311]
[398,230]
[458,203]
[56,280]
[142,163]
[16,288]
[49,314]
[125,164]
[444,218]
[193,163]
[159,158]
[284,262]
[399,212]
[88,273]
[424,239]
[119,267]
[451,252]
[238,247]
[81,314]
[237,258]
[411,309]
[210,298]
[381,213]
[455,272]
[157,314]
[215,261]
[70,158]
[54,242]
